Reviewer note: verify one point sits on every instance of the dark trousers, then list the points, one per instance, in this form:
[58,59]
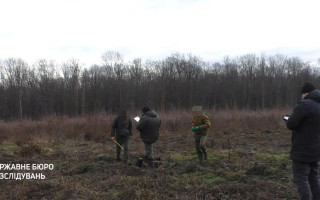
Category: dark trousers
[125,143]
[306,180]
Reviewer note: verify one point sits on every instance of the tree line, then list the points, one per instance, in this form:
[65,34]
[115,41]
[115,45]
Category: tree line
[176,82]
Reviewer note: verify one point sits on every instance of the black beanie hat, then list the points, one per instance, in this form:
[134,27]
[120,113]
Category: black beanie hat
[307,87]
[145,109]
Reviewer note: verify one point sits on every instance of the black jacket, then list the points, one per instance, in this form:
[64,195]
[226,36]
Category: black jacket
[305,125]
[121,127]
[149,126]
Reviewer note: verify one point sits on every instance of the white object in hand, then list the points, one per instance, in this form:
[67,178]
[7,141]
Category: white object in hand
[137,118]
[286,118]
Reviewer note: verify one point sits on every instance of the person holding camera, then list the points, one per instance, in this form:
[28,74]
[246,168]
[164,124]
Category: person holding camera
[305,148]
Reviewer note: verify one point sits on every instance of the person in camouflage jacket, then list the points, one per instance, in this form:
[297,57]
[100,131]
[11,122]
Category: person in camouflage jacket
[200,126]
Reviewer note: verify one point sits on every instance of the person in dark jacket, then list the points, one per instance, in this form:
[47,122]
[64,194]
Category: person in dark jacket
[149,126]
[121,130]
[305,148]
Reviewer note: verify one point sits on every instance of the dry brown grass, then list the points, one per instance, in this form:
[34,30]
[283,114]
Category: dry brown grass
[96,127]
[227,121]
[248,159]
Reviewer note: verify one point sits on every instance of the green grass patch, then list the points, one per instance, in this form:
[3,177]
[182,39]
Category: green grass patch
[10,148]
[181,158]
[80,169]
[276,157]
[207,178]
[113,193]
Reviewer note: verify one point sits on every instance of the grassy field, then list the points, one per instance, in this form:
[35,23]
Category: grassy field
[248,159]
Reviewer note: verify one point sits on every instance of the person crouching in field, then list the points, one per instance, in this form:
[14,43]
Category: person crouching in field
[149,126]
[121,130]
[305,148]
[200,126]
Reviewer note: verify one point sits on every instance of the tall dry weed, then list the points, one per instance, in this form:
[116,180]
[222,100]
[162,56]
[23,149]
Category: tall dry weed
[97,127]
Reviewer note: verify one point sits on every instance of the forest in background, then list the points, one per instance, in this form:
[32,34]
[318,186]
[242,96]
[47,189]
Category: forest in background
[174,83]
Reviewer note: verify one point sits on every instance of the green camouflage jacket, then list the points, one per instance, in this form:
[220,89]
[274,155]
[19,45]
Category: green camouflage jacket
[203,122]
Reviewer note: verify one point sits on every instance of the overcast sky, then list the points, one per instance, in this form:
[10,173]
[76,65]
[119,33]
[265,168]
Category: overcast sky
[154,29]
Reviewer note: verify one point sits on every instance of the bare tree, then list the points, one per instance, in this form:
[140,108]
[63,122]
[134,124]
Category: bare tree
[176,82]
[114,61]
[16,80]
[71,73]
